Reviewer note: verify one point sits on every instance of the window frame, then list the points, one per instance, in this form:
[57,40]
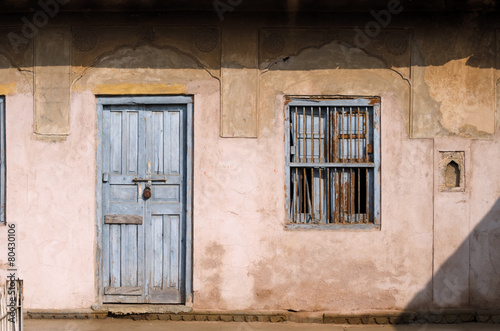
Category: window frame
[292,101]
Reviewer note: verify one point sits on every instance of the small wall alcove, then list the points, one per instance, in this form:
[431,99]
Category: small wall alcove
[452,172]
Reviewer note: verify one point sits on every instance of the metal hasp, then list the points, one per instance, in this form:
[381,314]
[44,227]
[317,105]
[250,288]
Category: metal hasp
[137,180]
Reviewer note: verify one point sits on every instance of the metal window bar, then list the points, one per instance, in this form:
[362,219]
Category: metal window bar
[331,164]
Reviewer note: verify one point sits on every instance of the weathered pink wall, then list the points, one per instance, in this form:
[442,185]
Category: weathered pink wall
[51,199]
[243,257]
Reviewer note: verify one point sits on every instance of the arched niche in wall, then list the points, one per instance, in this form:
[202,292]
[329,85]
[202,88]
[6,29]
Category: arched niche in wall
[451,169]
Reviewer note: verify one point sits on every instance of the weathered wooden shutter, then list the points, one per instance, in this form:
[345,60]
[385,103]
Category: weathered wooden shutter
[332,162]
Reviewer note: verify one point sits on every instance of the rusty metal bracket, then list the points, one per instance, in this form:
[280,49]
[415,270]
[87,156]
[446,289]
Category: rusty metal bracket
[137,180]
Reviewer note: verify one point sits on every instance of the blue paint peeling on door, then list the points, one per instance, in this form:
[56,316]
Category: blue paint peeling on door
[144,146]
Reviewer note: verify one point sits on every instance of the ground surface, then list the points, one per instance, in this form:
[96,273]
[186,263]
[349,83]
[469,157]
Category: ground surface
[127,324]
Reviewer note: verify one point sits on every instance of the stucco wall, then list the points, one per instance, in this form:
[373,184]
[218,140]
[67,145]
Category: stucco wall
[243,257]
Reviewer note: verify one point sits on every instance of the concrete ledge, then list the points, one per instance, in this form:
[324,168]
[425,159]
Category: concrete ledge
[419,317]
[306,317]
[128,309]
[64,314]
[379,317]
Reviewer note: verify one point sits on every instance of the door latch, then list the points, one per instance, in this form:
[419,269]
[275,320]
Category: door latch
[138,180]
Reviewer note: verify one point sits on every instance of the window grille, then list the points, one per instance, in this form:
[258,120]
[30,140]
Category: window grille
[333,157]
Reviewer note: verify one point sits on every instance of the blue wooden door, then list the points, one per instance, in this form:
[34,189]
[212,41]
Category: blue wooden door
[143,238]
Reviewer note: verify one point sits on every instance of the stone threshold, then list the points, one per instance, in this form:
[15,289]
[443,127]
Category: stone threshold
[183,313]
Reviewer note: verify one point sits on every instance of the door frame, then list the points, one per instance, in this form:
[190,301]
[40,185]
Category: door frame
[103,101]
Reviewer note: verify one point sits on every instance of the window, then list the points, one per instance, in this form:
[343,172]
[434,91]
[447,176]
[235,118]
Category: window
[333,163]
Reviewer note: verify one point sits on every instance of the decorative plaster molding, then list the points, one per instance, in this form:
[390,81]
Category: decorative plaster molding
[206,40]
[84,40]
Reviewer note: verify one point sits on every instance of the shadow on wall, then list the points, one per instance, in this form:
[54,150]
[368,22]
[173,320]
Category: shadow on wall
[462,292]
[256,5]
[399,32]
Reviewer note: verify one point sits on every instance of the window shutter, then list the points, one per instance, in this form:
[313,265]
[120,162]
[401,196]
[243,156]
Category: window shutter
[331,163]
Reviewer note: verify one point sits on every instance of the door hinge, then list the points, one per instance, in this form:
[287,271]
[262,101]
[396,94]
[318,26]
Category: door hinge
[105,177]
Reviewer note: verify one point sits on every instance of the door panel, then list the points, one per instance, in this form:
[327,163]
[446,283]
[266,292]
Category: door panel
[166,204]
[143,240]
[165,260]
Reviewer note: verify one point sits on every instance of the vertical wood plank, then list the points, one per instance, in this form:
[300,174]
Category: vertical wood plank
[181,227]
[114,240]
[128,255]
[132,235]
[167,144]
[174,251]
[149,147]
[106,273]
[141,170]
[140,256]
[126,243]
[158,143]
[166,250]
[105,255]
[148,255]
[142,152]
[125,138]
[186,272]
[133,134]
[124,260]
[106,138]
[148,233]
[157,239]
[181,152]
[175,142]
[115,142]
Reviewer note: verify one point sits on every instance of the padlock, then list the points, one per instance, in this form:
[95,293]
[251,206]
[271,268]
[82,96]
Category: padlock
[147,193]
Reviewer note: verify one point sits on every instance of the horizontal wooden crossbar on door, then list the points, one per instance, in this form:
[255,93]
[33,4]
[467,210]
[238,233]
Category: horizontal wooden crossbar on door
[122,219]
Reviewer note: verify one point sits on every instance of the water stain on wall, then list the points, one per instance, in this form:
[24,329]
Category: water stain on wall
[302,285]
[211,262]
